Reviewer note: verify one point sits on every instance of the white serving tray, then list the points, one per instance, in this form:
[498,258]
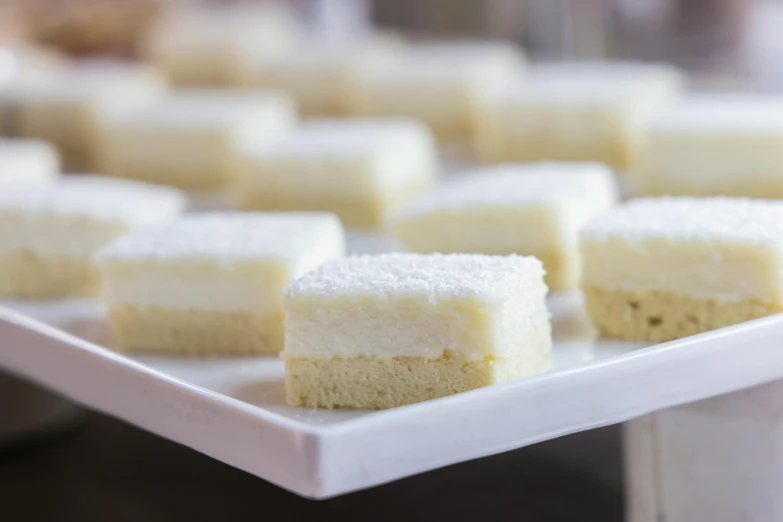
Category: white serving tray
[232,409]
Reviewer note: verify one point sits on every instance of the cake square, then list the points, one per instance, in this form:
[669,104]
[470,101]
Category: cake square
[212,284]
[317,74]
[715,144]
[360,169]
[49,234]
[192,139]
[445,85]
[661,269]
[207,46]
[70,112]
[29,67]
[392,329]
[27,163]
[532,209]
[577,112]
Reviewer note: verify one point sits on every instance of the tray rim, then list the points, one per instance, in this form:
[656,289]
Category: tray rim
[325,461]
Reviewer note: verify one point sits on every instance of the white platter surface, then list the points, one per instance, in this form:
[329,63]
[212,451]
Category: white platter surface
[233,408]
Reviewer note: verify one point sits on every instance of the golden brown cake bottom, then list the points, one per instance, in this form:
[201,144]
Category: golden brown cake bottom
[664,316]
[371,383]
[195,332]
[34,275]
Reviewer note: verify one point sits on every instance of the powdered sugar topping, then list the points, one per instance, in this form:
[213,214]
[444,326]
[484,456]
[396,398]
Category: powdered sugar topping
[128,202]
[228,236]
[723,112]
[433,275]
[738,220]
[515,185]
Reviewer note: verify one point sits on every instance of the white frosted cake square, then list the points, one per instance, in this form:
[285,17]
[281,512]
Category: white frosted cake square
[30,67]
[49,234]
[533,209]
[212,283]
[727,144]
[577,112]
[70,112]
[661,269]
[27,163]
[393,329]
[207,46]
[359,169]
[193,139]
[445,85]
[317,74]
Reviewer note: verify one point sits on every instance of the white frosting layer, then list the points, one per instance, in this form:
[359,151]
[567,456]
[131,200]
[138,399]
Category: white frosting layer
[167,132]
[344,158]
[27,163]
[568,186]
[713,144]
[78,214]
[219,261]
[722,113]
[108,85]
[126,202]
[427,276]
[584,103]
[531,208]
[409,305]
[210,108]
[736,220]
[717,248]
[226,236]
[593,82]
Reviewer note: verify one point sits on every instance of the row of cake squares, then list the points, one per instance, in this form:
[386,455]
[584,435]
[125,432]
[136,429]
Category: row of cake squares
[385,330]
[553,211]
[122,120]
[472,93]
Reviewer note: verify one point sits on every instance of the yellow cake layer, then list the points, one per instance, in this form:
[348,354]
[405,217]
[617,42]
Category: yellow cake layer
[29,274]
[665,316]
[195,332]
[387,383]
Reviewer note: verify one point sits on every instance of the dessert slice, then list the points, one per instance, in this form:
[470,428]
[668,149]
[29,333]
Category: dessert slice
[205,45]
[445,85]
[661,269]
[70,111]
[27,163]
[715,145]
[534,209]
[392,329]
[193,139]
[212,283]
[577,112]
[317,73]
[49,234]
[359,169]
[29,66]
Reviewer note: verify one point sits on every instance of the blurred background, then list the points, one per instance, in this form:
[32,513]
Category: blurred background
[731,41]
